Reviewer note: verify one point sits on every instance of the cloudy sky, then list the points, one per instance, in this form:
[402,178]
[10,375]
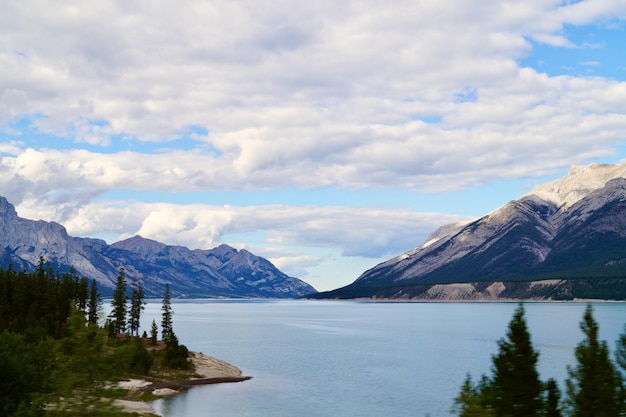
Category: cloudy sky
[327,136]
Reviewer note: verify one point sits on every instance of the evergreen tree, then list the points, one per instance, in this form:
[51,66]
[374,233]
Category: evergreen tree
[41,268]
[5,293]
[593,386]
[514,389]
[82,290]
[620,353]
[553,399]
[67,291]
[118,314]
[93,306]
[27,371]
[154,333]
[167,330]
[620,360]
[473,400]
[517,390]
[176,355]
[136,307]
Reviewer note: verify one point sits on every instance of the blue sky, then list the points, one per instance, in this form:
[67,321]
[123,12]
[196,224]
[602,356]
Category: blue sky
[326,137]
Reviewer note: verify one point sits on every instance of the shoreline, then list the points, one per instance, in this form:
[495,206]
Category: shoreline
[477,301]
[206,370]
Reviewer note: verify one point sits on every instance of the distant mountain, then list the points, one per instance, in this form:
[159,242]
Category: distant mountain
[219,272]
[565,239]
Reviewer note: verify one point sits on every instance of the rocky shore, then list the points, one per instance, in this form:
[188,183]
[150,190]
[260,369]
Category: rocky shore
[206,370]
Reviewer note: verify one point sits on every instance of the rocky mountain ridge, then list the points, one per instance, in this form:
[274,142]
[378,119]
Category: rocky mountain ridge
[220,272]
[573,228]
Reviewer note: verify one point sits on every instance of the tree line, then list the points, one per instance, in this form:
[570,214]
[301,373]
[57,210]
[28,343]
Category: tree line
[125,319]
[54,350]
[595,387]
[43,300]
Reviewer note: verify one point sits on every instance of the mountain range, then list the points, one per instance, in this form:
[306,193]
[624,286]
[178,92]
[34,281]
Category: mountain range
[220,272]
[565,239]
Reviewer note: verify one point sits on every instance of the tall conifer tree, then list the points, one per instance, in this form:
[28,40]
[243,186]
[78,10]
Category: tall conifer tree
[517,389]
[154,333]
[620,353]
[514,389]
[82,290]
[593,386]
[136,307]
[553,399]
[118,314]
[473,400]
[93,306]
[167,329]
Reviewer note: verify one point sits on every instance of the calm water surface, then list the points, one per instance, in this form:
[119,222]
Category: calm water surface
[351,359]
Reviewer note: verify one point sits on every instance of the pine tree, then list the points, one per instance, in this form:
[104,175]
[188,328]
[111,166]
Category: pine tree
[136,307]
[620,360]
[93,306]
[118,314]
[154,333]
[553,399]
[620,353]
[167,330]
[517,389]
[514,389]
[473,399]
[82,290]
[593,386]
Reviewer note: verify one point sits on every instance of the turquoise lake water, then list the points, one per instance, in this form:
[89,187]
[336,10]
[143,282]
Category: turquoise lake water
[354,359]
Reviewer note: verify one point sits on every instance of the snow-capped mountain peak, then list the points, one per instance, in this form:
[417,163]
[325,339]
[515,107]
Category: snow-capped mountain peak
[571,230]
[578,183]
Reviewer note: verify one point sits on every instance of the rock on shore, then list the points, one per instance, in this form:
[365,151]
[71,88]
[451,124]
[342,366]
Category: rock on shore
[206,370]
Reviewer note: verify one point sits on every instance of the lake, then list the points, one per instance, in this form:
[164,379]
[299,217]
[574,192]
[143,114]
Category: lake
[351,359]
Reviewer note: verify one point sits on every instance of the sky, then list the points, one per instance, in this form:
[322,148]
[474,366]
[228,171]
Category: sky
[325,136]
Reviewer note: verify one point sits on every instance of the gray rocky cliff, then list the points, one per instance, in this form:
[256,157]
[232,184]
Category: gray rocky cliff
[570,228]
[218,272]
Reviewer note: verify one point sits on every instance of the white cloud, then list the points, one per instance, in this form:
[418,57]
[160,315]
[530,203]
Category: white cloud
[424,96]
[588,11]
[298,239]
[236,66]
[496,135]
[354,231]
[296,265]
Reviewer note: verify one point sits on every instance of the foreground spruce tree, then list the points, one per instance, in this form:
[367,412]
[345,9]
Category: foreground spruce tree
[514,389]
[620,353]
[553,399]
[473,400]
[515,386]
[594,385]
